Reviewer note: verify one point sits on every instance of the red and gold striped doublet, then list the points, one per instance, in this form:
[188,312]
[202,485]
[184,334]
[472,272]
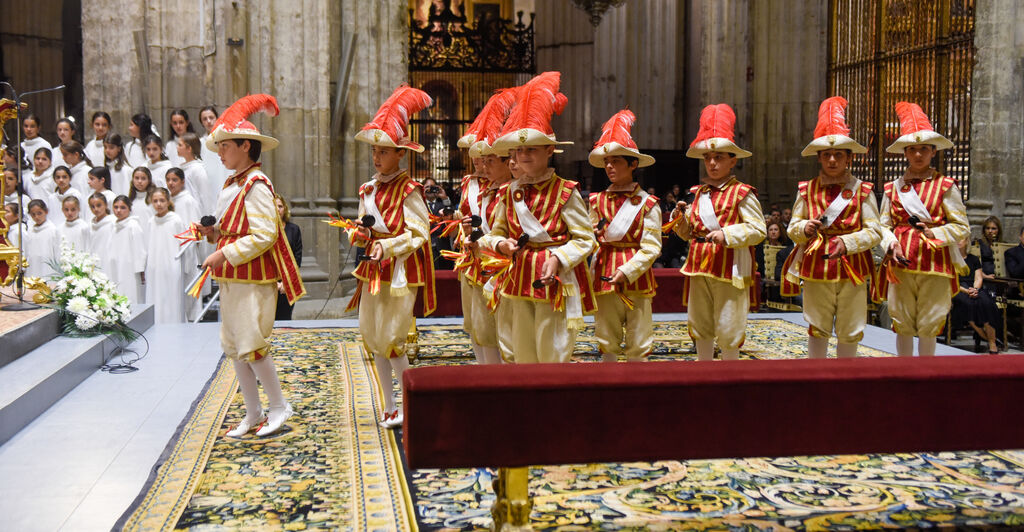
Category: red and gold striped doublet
[707,258]
[419,268]
[469,265]
[277,263]
[612,255]
[923,256]
[813,266]
[545,200]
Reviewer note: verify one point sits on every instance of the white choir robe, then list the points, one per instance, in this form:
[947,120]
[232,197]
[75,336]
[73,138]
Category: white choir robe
[216,174]
[42,246]
[13,235]
[128,249]
[120,180]
[80,178]
[135,154]
[94,151]
[196,182]
[40,186]
[171,151]
[29,147]
[102,232]
[57,157]
[78,234]
[165,275]
[159,170]
[56,203]
[188,209]
[142,211]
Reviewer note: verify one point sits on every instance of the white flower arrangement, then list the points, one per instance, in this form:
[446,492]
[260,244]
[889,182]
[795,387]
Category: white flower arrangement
[89,300]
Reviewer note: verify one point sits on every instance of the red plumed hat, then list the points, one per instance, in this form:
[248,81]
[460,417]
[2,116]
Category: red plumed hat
[915,128]
[491,118]
[832,133]
[389,125]
[529,124]
[234,122]
[617,140]
[717,123]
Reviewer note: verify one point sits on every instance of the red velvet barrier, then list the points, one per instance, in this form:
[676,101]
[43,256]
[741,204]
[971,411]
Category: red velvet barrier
[449,299]
[473,416]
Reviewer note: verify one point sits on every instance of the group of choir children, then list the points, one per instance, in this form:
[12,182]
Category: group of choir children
[122,199]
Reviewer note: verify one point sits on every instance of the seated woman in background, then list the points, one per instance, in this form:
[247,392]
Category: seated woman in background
[991,232]
[776,237]
[973,304]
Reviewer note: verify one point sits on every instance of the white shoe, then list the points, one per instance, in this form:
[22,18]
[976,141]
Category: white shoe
[275,421]
[396,420]
[245,426]
[385,420]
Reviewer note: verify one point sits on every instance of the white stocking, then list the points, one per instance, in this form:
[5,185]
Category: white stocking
[609,357]
[491,355]
[846,350]
[904,345]
[926,346]
[817,347]
[267,374]
[705,349]
[478,353]
[387,387]
[731,354]
[250,391]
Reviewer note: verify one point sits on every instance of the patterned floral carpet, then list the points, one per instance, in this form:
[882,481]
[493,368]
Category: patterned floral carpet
[335,469]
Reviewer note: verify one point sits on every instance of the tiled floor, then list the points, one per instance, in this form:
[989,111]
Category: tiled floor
[82,463]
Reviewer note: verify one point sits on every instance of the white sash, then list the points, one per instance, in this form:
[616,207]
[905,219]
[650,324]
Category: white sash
[741,265]
[840,204]
[484,226]
[529,223]
[473,195]
[912,204]
[831,214]
[623,219]
[369,202]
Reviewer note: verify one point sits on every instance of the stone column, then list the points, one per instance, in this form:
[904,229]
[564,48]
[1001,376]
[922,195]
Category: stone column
[997,117]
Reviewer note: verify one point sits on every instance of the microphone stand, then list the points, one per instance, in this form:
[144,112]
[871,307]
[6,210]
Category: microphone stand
[19,283]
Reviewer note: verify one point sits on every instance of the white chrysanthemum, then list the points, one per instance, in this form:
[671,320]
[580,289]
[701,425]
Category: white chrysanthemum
[85,322]
[78,304]
[103,301]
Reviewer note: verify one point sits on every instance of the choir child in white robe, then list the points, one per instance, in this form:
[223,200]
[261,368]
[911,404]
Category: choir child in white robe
[39,184]
[75,231]
[165,275]
[101,129]
[31,142]
[196,180]
[99,182]
[62,191]
[16,228]
[215,171]
[101,232]
[180,124]
[115,161]
[74,159]
[42,243]
[187,208]
[13,188]
[138,196]
[139,127]
[158,164]
[128,246]
[65,133]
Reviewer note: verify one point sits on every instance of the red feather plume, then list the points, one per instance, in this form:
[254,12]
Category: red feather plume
[394,113]
[832,117]
[492,117]
[912,118]
[716,121]
[241,110]
[536,102]
[617,129]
